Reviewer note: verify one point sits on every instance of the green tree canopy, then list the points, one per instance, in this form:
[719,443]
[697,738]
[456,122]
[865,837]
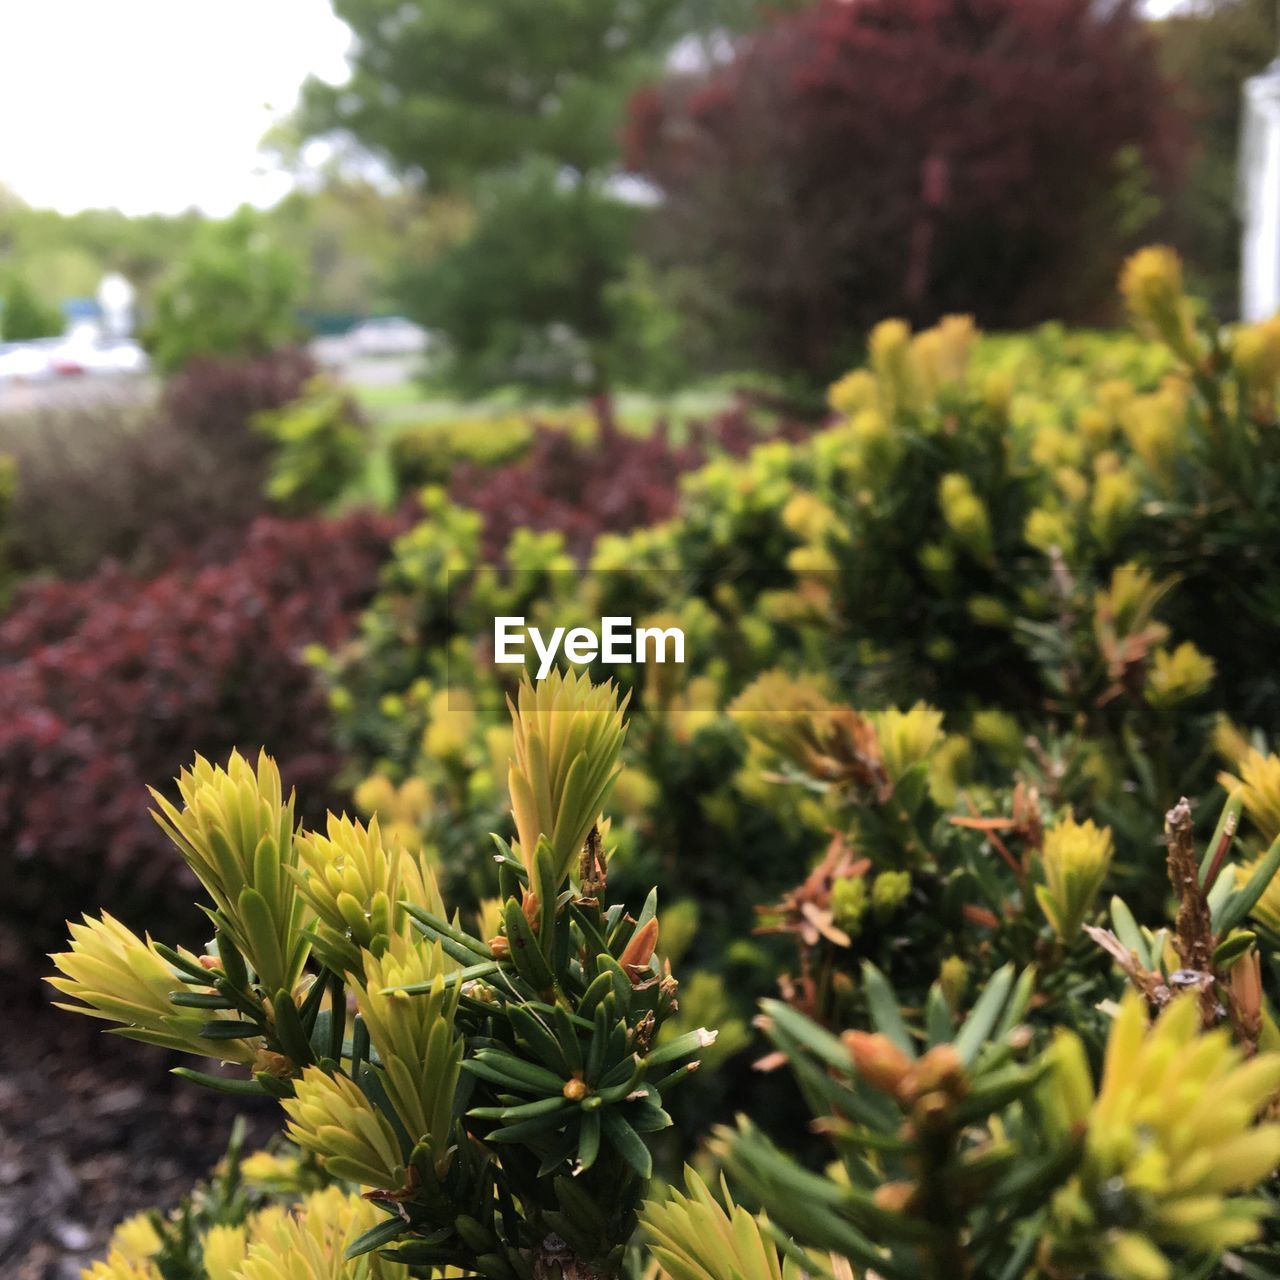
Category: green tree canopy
[233,294]
[515,107]
[524,297]
[24,316]
[452,91]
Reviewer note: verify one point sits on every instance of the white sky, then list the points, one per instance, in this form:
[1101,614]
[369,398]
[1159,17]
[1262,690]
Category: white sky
[158,105]
[153,105]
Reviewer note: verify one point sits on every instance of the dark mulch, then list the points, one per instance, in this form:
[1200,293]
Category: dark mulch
[93,1129]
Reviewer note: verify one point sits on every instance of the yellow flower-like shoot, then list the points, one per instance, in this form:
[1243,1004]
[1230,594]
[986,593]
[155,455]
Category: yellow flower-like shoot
[567,736]
[420,1052]
[1258,781]
[694,1237]
[235,831]
[1170,1139]
[120,977]
[1178,676]
[331,1117]
[1151,284]
[118,1267]
[311,1242]
[355,885]
[907,737]
[1076,858]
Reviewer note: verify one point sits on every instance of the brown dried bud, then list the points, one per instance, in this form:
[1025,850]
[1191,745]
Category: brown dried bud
[940,1070]
[639,951]
[895,1197]
[932,1111]
[877,1060]
[575,1090]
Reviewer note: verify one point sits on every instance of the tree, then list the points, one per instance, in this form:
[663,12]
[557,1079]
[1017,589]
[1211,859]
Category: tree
[232,295]
[24,316]
[524,298]
[454,91]
[517,107]
[859,159]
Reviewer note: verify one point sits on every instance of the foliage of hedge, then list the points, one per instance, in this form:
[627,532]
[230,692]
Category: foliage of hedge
[108,685]
[922,155]
[586,481]
[1021,951]
[1039,536]
[147,485]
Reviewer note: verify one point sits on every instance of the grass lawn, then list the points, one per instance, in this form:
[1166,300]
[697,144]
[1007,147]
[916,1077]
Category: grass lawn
[395,406]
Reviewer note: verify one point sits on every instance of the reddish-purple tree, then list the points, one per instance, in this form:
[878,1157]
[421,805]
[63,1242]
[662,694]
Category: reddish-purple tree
[870,157]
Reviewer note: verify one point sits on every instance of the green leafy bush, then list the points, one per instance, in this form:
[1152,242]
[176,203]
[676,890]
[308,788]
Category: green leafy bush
[490,1086]
[939,779]
[23,316]
[233,294]
[319,446]
[428,454]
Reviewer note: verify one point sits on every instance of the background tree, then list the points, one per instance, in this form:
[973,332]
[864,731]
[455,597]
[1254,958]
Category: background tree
[234,294]
[909,157]
[525,296]
[516,107]
[23,315]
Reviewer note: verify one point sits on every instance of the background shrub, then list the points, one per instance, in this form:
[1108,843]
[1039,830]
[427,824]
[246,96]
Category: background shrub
[232,294]
[115,479]
[583,484]
[429,453]
[909,157]
[319,444]
[24,316]
[108,686]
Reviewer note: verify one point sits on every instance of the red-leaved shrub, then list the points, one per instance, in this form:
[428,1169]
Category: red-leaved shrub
[112,684]
[115,477]
[863,158]
[610,483]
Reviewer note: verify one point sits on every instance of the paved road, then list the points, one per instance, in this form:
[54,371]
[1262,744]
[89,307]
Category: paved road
[18,399]
[46,394]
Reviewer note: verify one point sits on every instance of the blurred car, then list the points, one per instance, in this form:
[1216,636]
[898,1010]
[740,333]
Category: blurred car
[82,354]
[388,336]
[117,355]
[26,361]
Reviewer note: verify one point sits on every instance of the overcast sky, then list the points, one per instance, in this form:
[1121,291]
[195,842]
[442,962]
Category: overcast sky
[159,105]
[153,104]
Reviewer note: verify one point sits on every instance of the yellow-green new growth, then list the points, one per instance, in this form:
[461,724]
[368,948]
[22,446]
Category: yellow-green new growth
[356,886]
[567,736]
[414,1035]
[1178,676]
[908,737]
[236,832]
[118,1267]
[1169,1141]
[966,515]
[1076,858]
[331,1117]
[122,978]
[224,1251]
[311,1242]
[1258,781]
[1151,284]
[693,1237]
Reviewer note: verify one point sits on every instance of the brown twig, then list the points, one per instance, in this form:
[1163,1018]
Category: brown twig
[1193,936]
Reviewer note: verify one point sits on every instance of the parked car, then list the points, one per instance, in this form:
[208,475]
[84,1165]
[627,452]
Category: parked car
[26,361]
[388,336]
[115,355]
